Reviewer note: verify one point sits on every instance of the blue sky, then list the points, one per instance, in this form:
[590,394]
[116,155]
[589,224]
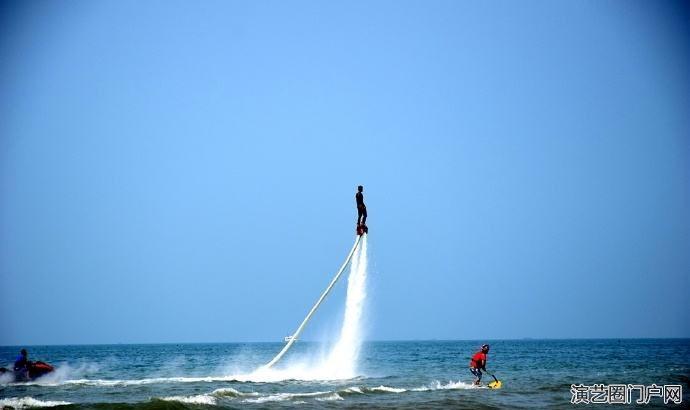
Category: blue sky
[185,172]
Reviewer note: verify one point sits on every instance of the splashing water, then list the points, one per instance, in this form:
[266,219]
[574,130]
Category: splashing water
[341,361]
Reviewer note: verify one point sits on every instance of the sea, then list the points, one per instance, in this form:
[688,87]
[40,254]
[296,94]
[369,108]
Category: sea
[388,375]
[348,372]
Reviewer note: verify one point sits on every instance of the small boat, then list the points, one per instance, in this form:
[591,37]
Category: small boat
[33,371]
[288,338]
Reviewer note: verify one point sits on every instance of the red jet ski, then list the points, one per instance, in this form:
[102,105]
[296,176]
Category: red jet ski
[33,371]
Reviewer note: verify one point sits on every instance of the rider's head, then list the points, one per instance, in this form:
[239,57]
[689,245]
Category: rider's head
[23,352]
[360,188]
[485,348]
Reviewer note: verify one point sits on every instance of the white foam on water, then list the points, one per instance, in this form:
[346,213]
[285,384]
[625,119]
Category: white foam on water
[342,360]
[323,396]
[136,382]
[451,385]
[387,389]
[287,397]
[127,382]
[303,397]
[330,397]
[198,399]
[26,402]
[210,398]
[6,378]
[353,389]
[230,392]
[60,375]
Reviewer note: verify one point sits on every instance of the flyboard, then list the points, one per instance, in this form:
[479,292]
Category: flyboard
[496,384]
[291,339]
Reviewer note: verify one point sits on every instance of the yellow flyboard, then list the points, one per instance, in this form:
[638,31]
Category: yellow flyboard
[496,384]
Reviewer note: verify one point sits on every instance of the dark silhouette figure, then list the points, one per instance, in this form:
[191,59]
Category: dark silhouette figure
[361,208]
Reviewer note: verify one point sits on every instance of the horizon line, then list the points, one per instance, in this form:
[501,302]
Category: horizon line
[523,339]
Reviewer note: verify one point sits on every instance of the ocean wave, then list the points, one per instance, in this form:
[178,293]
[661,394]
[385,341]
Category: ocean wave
[435,385]
[130,382]
[251,378]
[26,402]
[451,385]
[230,392]
[291,396]
[210,399]
[217,396]
[256,377]
[351,390]
[61,377]
[330,397]
[198,399]
[386,389]
[357,390]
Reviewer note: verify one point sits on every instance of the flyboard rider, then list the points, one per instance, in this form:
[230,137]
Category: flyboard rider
[361,212]
[478,363]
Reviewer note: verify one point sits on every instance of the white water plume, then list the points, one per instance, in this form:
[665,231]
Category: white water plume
[341,362]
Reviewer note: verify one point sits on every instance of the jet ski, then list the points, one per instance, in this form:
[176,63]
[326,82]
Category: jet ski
[32,372]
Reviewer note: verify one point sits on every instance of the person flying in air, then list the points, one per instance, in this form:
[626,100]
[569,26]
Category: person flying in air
[361,208]
[478,363]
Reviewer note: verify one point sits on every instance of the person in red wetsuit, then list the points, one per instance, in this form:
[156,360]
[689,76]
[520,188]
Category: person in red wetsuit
[478,363]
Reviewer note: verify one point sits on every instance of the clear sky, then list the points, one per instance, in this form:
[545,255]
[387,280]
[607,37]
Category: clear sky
[185,171]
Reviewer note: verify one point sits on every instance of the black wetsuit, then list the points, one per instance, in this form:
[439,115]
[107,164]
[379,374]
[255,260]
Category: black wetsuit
[361,209]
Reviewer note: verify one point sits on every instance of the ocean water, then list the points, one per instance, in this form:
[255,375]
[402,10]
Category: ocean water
[414,374]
